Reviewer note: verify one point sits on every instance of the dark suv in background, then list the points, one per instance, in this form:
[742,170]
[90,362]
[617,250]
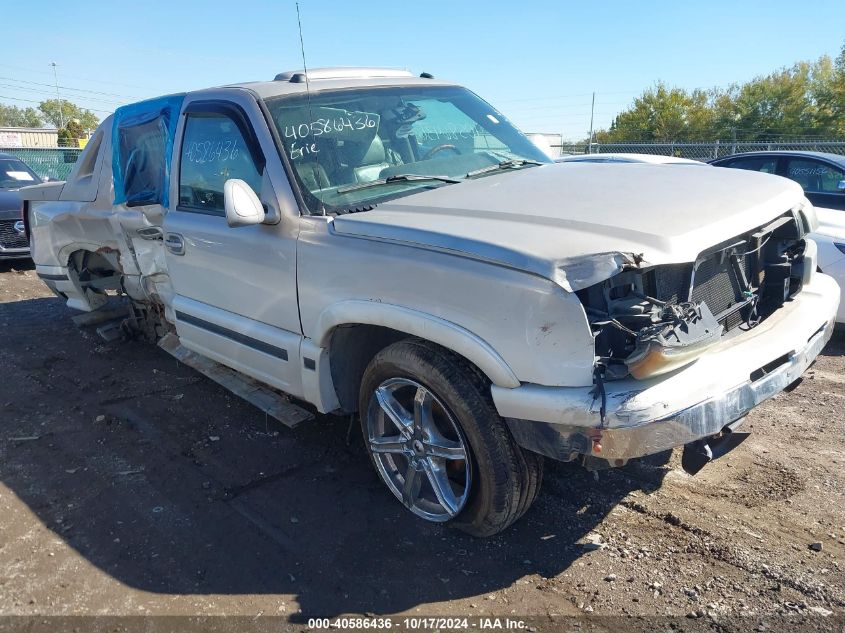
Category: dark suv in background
[821,175]
[14,174]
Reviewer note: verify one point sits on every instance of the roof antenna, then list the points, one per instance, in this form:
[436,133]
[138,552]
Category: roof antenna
[310,112]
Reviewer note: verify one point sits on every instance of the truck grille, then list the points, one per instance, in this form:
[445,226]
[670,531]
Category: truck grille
[717,284]
[9,237]
[714,282]
[671,283]
[743,280]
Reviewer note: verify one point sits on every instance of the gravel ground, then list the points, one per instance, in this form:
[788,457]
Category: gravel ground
[130,485]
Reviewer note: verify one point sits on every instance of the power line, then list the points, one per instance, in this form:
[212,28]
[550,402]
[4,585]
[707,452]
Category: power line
[88,79]
[95,92]
[563,106]
[35,101]
[16,99]
[550,106]
[571,96]
[52,93]
[580,117]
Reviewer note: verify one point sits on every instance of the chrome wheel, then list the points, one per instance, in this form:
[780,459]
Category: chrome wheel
[418,449]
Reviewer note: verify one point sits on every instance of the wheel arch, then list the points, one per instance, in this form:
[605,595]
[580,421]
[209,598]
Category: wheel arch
[355,331]
[102,258]
[87,270]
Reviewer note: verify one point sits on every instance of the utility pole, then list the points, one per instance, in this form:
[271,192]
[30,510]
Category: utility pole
[592,114]
[58,97]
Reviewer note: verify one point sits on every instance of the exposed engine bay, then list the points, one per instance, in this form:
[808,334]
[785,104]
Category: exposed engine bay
[648,321]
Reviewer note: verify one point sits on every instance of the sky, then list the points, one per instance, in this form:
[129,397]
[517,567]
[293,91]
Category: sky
[537,61]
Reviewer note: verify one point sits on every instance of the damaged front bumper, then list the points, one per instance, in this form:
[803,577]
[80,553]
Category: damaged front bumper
[644,417]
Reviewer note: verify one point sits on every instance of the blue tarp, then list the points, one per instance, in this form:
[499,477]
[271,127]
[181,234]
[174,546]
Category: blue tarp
[142,147]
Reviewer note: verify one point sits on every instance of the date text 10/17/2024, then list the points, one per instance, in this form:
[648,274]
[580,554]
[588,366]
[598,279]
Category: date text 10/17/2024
[419,623]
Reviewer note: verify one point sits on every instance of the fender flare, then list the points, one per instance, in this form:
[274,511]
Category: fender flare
[416,323]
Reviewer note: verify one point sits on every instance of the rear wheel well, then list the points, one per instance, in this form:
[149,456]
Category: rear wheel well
[351,349]
[98,270]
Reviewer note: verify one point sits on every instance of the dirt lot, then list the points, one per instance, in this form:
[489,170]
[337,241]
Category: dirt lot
[131,485]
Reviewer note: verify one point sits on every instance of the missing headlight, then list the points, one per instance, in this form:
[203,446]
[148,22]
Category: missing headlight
[643,336]
[682,333]
[649,321]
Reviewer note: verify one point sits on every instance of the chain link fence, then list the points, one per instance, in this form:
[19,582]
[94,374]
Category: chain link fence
[702,151]
[48,162]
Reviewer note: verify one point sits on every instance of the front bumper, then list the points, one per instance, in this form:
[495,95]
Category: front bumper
[13,253]
[644,417]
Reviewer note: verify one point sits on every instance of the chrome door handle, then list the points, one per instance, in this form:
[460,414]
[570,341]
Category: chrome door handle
[150,232]
[175,243]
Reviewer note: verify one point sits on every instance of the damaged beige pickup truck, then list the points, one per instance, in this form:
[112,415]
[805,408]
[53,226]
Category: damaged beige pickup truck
[372,242]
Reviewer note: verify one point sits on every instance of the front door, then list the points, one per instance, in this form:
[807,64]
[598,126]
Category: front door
[235,288]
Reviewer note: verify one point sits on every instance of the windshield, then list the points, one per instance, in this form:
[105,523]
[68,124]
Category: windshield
[346,138]
[14,174]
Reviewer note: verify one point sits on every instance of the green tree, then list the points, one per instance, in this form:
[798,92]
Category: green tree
[806,99]
[663,114]
[829,95]
[13,116]
[776,105]
[88,120]
[58,113]
[70,134]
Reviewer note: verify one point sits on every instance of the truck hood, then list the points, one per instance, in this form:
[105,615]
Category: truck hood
[578,224]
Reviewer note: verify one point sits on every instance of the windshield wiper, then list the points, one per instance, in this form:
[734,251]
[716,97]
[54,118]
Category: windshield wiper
[511,163]
[397,178]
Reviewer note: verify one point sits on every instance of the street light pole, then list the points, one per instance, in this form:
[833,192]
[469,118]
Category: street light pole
[592,115]
[58,97]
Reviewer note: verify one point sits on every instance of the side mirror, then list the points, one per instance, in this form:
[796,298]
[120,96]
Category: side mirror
[841,185]
[242,205]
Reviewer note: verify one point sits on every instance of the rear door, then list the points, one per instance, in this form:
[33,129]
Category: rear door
[819,179]
[235,288]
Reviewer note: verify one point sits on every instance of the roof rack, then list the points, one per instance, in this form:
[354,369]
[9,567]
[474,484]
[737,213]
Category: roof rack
[314,74]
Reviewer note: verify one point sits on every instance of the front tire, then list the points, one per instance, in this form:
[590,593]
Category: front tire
[439,445]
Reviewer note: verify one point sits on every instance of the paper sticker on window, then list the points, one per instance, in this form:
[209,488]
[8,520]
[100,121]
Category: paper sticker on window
[808,171]
[20,175]
[303,129]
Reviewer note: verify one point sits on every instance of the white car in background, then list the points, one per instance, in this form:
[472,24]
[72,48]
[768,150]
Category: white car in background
[830,239]
[621,157]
